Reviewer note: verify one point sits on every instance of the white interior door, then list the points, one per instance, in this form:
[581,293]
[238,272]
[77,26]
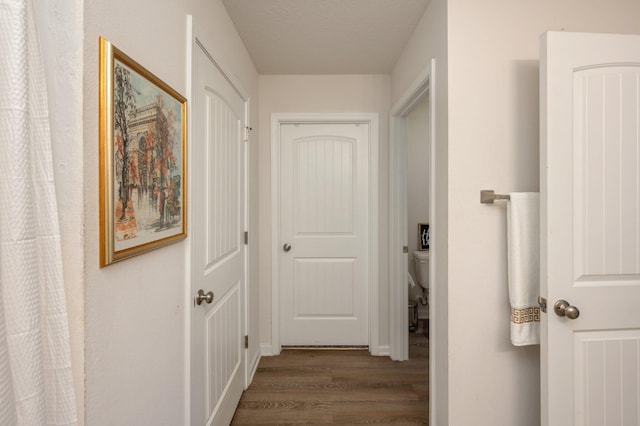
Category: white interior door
[590,228]
[217,251]
[324,219]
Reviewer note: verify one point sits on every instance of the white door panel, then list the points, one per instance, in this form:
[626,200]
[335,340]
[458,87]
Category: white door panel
[607,368]
[217,251]
[590,228]
[606,148]
[324,217]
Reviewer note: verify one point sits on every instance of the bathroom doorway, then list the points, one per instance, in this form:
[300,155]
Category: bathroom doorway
[419,93]
[403,232]
[418,229]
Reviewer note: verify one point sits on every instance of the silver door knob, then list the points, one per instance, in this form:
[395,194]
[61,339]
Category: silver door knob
[286,247]
[563,309]
[202,297]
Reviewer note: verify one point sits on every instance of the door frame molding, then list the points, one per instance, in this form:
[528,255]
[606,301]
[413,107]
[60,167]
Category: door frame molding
[195,39]
[327,118]
[423,87]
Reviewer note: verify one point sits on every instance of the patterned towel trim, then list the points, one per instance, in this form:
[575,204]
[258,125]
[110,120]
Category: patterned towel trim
[525,315]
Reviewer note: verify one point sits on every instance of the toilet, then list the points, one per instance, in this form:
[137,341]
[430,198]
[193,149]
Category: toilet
[421,259]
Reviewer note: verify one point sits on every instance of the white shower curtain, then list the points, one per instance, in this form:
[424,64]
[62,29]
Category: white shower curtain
[36,386]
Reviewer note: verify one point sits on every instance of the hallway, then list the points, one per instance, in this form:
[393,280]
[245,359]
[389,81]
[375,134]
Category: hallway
[321,387]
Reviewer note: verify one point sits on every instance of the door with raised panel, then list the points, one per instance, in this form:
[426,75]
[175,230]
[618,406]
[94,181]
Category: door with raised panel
[590,229]
[217,247]
[324,225]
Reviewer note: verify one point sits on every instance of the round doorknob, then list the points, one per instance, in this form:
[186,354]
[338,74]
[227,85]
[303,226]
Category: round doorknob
[562,308]
[286,247]
[202,297]
[572,312]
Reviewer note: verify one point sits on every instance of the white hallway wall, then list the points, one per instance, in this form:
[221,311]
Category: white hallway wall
[136,310]
[320,93]
[493,144]
[60,32]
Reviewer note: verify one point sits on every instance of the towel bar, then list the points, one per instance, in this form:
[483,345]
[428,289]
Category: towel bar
[488,196]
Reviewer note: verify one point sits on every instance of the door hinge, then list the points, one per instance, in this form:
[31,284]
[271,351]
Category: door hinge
[542,302]
[247,129]
[405,249]
[246,342]
[246,237]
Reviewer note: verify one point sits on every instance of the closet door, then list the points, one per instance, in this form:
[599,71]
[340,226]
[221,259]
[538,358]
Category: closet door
[324,234]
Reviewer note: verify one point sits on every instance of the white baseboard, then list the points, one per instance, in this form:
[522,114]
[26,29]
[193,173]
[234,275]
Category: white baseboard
[253,366]
[266,349]
[383,350]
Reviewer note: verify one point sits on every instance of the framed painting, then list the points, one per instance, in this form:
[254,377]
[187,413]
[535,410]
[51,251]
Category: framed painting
[143,138]
[423,236]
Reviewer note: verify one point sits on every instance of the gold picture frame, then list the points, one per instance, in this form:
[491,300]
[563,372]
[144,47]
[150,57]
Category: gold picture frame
[143,164]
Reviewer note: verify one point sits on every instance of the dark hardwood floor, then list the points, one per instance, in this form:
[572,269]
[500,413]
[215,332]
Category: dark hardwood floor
[322,387]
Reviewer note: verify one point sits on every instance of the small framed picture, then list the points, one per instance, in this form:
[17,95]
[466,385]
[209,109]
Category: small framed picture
[424,235]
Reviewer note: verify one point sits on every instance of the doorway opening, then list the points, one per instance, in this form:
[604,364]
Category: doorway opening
[418,228]
[420,94]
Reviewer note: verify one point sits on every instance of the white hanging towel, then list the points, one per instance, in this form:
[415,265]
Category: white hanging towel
[523,234]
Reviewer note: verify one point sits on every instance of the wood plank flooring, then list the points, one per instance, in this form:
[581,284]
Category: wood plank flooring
[323,387]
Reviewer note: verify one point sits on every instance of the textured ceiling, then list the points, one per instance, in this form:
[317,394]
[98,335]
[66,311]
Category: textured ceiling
[325,36]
